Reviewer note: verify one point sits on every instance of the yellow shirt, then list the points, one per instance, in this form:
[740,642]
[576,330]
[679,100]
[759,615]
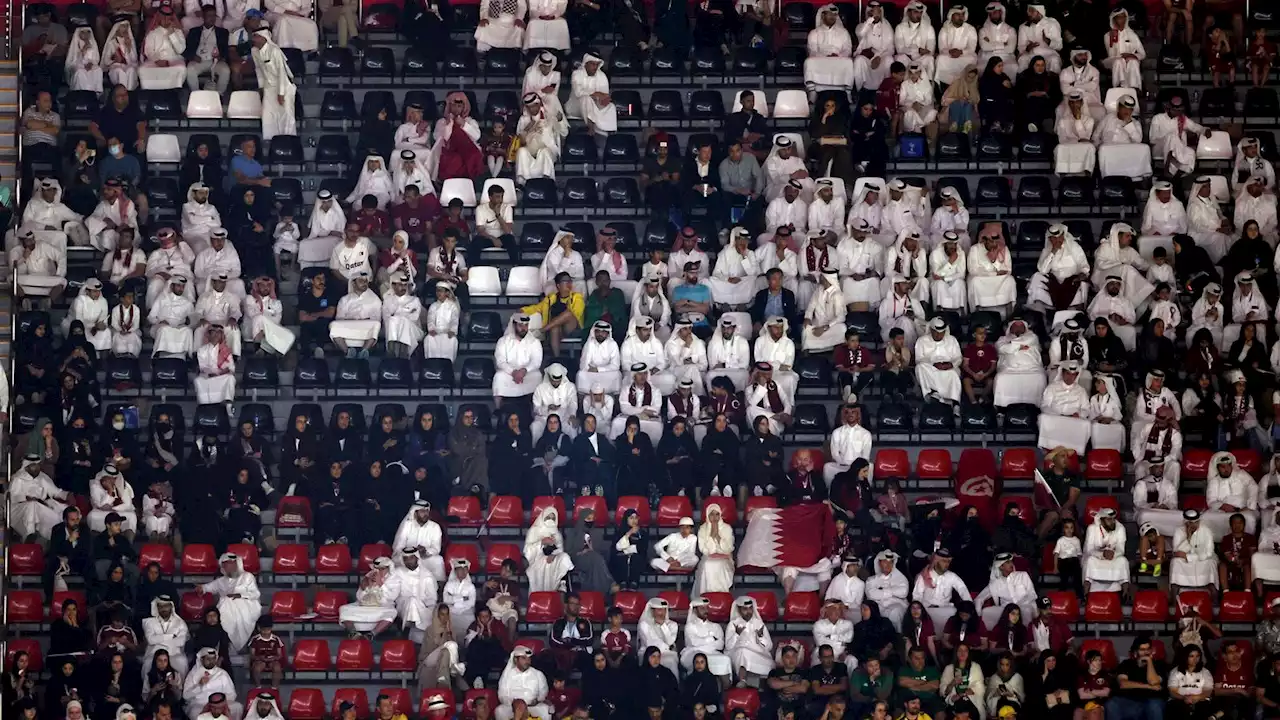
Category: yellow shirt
[576,304]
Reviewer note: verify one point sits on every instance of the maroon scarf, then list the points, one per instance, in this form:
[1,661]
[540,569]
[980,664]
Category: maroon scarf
[774,399]
[815,262]
[648,395]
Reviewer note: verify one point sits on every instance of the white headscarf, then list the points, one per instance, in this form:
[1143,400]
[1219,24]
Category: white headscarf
[77,57]
[376,182]
[546,526]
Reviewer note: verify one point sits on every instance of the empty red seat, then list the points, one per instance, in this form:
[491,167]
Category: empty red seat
[728,508]
[632,502]
[294,512]
[934,464]
[355,696]
[398,656]
[594,503]
[720,605]
[333,560]
[427,693]
[593,605]
[766,604]
[371,552]
[746,699]
[26,559]
[631,603]
[1200,600]
[30,646]
[61,596]
[327,603]
[506,511]
[1098,502]
[292,559]
[1150,606]
[1248,460]
[311,655]
[802,607]
[194,604]
[1103,607]
[199,559]
[544,607]
[1195,463]
[1103,464]
[1026,508]
[156,553]
[542,502]
[1065,604]
[469,700]
[466,510]
[288,605]
[249,554]
[467,551]
[1238,606]
[355,655]
[892,462]
[677,601]
[401,700]
[307,703]
[498,552]
[1104,646]
[756,503]
[1018,464]
[25,606]
[673,507]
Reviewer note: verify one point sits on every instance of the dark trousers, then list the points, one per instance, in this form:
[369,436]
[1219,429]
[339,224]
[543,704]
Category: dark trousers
[896,382]
[480,243]
[847,381]
[313,334]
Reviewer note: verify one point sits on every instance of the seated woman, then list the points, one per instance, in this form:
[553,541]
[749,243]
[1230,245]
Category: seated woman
[996,91]
[960,104]
[963,680]
[1038,95]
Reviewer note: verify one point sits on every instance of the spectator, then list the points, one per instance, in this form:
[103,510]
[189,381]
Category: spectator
[494,228]
[660,176]
[415,216]
[245,168]
[1259,57]
[1190,685]
[206,52]
[162,65]
[40,130]
[44,45]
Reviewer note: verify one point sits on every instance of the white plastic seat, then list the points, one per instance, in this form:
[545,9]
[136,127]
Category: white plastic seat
[524,281]
[205,105]
[1148,243]
[1125,160]
[861,183]
[796,141]
[509,194]
[791,104]
[762,101]
[483,281]
[1215,147]
[1112,100]
[244,105]
[163,148]
[462,188]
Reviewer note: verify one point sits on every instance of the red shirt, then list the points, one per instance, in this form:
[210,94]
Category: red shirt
[415,221]
[1241,679]
[442,223]
[374,224]
[1060,635]
[860,356]
[971,637]
[266,649]
[1101,681]
[617,641]
[1238,550]
[563,701]
[981,359]
[887,96]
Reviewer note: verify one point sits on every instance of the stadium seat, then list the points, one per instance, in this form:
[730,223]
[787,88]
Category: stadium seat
[891,462]
[814,371]
[1034,190]
[523,281]
[327,602]
[677,603]
[708,61]
[244,105]
[339,105]
[933,464]
[477,373]
[467,551]
[667,61]
[671,508]
[1075,191]
[27,559]
[977,418]
[810,418]
[155,553]
[193,605]
[593,605]
[311,373]
[356,696]
[953,147]
[336,62]
[1066,604]
[212,418]
[1021,417]
[1026,509]
[791,104]
[291,559]
[205,105]
[287,605]
[1200,600]
[1237,606]
[333,150]
[542,502]
[757,503]
[749,61]
[728,509]
[30,646]
[581,192]
[1261,103]
[461,188]
[894,418]
[401,701]
[1195,463]
[163,148]
[994,147]
[637,503]
[483,281]
[579,148]
[621,192]
[80,105]
[199,559]
[506,511]
[631,603]
[624,62]
[503,61]
[544,607]
[1037,146]
[466,508]
[1103,607]
[355,655]
[746,699]
[308,703]
[1096,503]
[1247,459]
[1150,606]
[802,607]
[766,604]
[666,106]
[392,373]
[1117,190]
[1216,147]
[497,553]
[24,606]
[333,560]
[1104,646]
[706,105]
[1104,464]
[591,502]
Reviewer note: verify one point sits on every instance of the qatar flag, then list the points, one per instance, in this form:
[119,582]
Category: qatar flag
[796,536]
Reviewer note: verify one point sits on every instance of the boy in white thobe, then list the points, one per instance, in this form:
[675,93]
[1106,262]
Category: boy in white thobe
[1125,52]
[875,49]
[239,599]
[358,321]
[517,357]
[402,317]
[170,320]
[678,551]
[216,382]
[418,531]
[938,360]
[126,326]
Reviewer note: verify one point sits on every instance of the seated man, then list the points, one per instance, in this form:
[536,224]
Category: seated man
[219,306]
[1020,367]
[291,24]
[524,684]
[239,600]
[1195,558]
[170,321]
[686,354]
[163,67]
[1106,569]
[494,229]
[600,362]
[208,684]
[938,360]
[375,607]
[41,270]
[691,301]
[37,504]
[1065,412]
[358,321]
[1008,586]
[830,61]
[642,399]
[560,312]
[765,398]
[51,220]
[848,443]
[518,359]
[555,395]
[216,382]
[402,315]
[643,347]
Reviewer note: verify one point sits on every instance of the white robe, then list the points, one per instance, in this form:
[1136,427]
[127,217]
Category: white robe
[1204,219]
[652,426]
[1262,210]
[945,383]
[218,308]
[126,330]
[1169,139]
[1075,152]
[120,56]
[1105,305]
[196,694]
[779,353]
[861,257]
[1065,416]
[1266,561]
[714,574]
[917,91]
[552,34]
[216,382]
[748,643]
[1015,588]
[170,321]
[460,596]
[428,538]
[1046,35]
[582,105]
[1103,574]
[652,353]
[198,221]
[416,596]
[663,637]
[675,547]
[540,137]
[781,213]
[605,358]
[838,635]
[830,61]
[68,224]
[239,615]
[514,353]
[374,604]
[170,635]
[41,271]
[547,573]
[734,354]
[402,317]
[163,44]
[442,319]
[358,318]
[893,314]
[826,309]
[936,592]
[529,686]
[730,266]
[377,183]
[1200,567]
[910,38]
[91,312]
[173,261]
[293,31]
[999,41]
[121,502]
[706,638]
[560,400]
[947,287]
[964,39]
[846,444]
[276,81]
[266,315]
[988,287]
[83,68]
[1019,372]
[877,37]
[1065,262]
[1124,72]
[945,219]
[317,248]
[36,504]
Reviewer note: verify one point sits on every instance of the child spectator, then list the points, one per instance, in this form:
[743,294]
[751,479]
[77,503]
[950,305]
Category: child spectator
[266,652]
[497,145]
[1160,271]
[1066,557]
[855,364]
[978,366]
[1262,53]
[287,234]
[373,222]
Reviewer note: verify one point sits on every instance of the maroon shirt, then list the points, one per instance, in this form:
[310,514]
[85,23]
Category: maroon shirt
[374,224]
[887,96]
[442,223]
[415,221]
[1060,635]
[1101,681]
[1239,679]
[266,649]
[981,359]
[858,357]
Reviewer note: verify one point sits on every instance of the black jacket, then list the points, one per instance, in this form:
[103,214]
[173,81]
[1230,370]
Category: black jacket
[789,309]
[220,36]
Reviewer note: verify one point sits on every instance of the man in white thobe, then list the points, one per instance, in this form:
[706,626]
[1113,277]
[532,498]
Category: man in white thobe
[358,321]
[540,130]
[1118,136]
[517,357]
[1117,256]
[1253,202]
[860,262]
[460,595]
[1040,36]
[199,217]
[402,318]
[278,88]
[374,609]
[990,266]
[50,218]
[1007,585]
[166,630]
[1195,555]
[328,224]
[642,346]
[1169,131]
[555,395]
[915,40]
[522,682]
[957,45]
[787,209]
[1206,222]
[1229,489]
[947,270]
[774,346]
[502,24]
[936,587]
[875,49]
[411,171]
[902,311]
[849,589]
[1125,52]
[239,600]
[1114,305]
[600,362]
[207,680]
[847,443]
[834,630]
[547,27]
[590,99]
[170,321]
[263,315]
[114,211]
[867,206]
[830,47]
[904,210]
[418,530]
[36,503]
[1164,214]
[686,354]
[1083,76]
[702,636]
[216,382]
[677,551]
[1062,263]
[91,309]
[998,39]
[1106,568]
[728,354]
[643,400]
[1064,411]
[938,361]
[826,214]
[415,592]
[292,23]
[889,587]
[219,259]
[163,67]
[766,398]
[218,306]
[1075,152]
[41,268]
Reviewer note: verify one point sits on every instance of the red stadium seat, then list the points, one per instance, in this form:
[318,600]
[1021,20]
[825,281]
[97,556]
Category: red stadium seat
[1108,650]
[802,607]
[506,511]
[1047,561]
[333,560]
[1066,604]
[1150,606]
[593,606]
[534,644]
[292,559]
[427,693]
[25,606]
[401,700]
[194,604]
[294,512]
[61,596]
[631,603]
[728,508]
[544,607]
[1248,460]
[1237,606]
[30,646]
[1018,464]
[288,605]
[355,696]
[892,462]
[355,655]
[249,554]
[1098,502]
[756,503]
[1104,465]
[26,559]
[155,553]
[720,606]
[327,603]
[307,703]
[469,700]
[498,552]
[466,508]
[591,502]
[1201,600]
[398,656]
[1103,607]
[934,464]
[542,502]
[199,559]
[632,502]
[1026,507]
[766,604]
[467,551]
[1195,463]
[373,551]
[677,601]
[311,655]
[671,508]
[1159,651]
[746,699]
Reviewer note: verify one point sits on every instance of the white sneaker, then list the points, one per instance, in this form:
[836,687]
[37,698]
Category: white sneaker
[478,683]
[726,492]
[770,489]
[680,494]
[715,491]
[459,668]
[758,491]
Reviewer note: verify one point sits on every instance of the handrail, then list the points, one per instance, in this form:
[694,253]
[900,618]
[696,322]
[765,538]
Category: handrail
[8,461]
[17,9]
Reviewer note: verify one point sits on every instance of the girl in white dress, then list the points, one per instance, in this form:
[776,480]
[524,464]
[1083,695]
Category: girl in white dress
[84,63]
[715,545]
[442,324]
[120,55]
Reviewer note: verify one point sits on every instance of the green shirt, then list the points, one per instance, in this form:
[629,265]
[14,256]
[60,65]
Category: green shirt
[862,687]
[928,674]
[612,309]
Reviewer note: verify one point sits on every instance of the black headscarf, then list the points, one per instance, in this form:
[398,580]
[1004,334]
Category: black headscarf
[873,633]
[699,686]
[658,682]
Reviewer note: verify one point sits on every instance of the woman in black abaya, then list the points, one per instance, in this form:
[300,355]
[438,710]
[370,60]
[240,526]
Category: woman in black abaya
[720,460]
[387,495]
[386,441]
[242,508]
[678,454]
[657,681]
[510,457]
[333,502]
[343,442]
[637,462]
[249,226]
[604,689]
[970,547]
[699,686]
[426,24]
[300,451]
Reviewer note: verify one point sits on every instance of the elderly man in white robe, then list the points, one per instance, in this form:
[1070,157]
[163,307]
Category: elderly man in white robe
[1075,153]
[1065,413]
[170,321]
[375,607]
[540,130]
[518,357]
[875,49]
[774,346]
[41,269]
[860,268]
[218,306]
[935,586]
[199,217]
[704,637]
[207,680]
[833,630]
[766,398]
[938,361]
[902,311]
[1007,585]
[727,354]
[1040,36]
[402,318]
[1229,490]
[830,47]
[990,266]
[239,600]
[163,67]
[1253,202]
[915,40]
[747,641]
[523,683]
[948,268]
[1125,52]
[957,45]
[1106,568]
[36,503]
[51,220]
[415,592]
[1206,222]
[1169,137]
[1194,562]
[358,321]
[642,399]
[998,39]
[216,382]
[600,362]
[590,99]
[1020,377]
[291,21]
[847,443]
[1060,281]
[91,309]
[1114,305]
[278,87]
[555,395]
[417,530]
[1164,214]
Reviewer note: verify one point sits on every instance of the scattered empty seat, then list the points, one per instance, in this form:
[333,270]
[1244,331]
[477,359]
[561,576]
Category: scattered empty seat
[242,105]
[205,105]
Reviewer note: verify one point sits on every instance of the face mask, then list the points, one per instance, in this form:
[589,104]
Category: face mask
[116,150]
[118,425]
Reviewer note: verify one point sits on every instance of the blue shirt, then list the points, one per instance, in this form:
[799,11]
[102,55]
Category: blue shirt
[773,304]
[699,293]
[245,166]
